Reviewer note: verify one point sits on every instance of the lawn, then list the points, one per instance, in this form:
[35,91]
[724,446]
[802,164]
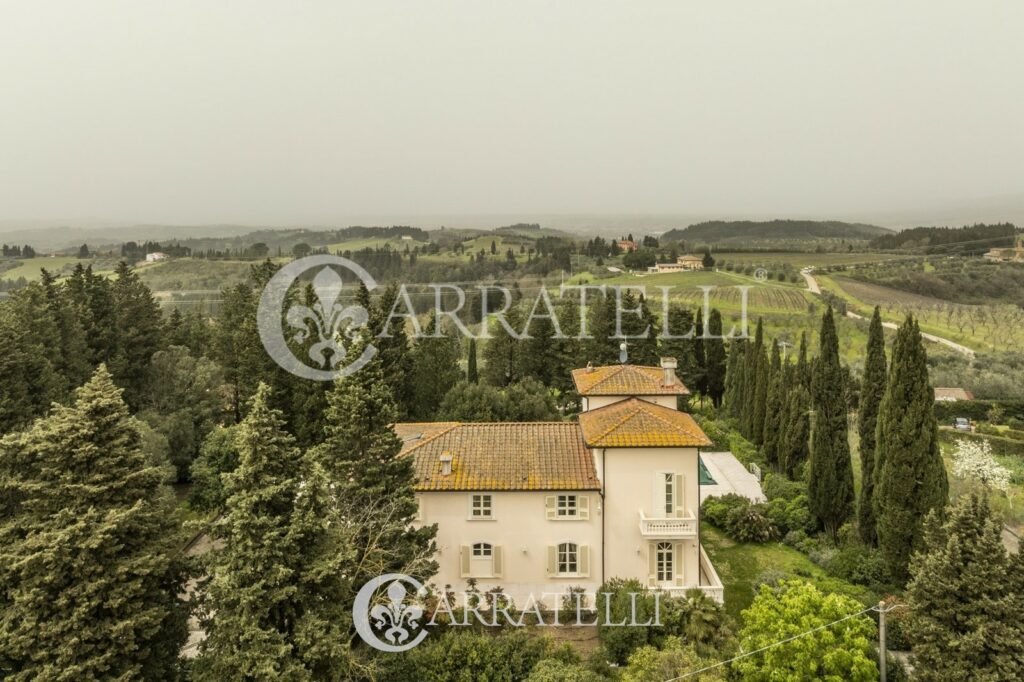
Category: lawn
[741,566]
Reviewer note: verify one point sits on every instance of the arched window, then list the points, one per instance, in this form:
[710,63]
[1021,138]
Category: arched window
[482,549]
[664,562]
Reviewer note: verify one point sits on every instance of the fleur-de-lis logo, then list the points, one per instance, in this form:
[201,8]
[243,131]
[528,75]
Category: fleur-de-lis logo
[324,321]
[394,619]
[394,616]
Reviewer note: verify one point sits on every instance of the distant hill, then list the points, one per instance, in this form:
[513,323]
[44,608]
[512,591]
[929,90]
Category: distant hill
[752,233]
[973,239]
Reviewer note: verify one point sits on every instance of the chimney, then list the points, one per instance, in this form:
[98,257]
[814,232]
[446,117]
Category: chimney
[669,367]
[446,464]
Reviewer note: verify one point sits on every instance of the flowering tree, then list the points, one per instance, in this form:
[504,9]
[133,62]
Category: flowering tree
[974,459]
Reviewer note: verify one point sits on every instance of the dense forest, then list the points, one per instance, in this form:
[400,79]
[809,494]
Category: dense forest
[973,239]
[737,232]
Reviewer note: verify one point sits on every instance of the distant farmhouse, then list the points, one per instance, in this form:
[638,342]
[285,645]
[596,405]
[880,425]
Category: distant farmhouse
[687,262]
[155,256]
[943,395]
[1014,254]
[627,245]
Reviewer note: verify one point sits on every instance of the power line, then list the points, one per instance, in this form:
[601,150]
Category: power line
[771,646]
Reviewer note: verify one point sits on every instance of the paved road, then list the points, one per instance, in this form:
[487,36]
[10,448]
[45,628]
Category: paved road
[814,288]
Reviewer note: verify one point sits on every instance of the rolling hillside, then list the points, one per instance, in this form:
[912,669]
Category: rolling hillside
[753,233]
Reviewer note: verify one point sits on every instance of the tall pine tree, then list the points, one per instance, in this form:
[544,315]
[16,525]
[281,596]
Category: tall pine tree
[910,478]
[273,603]
[965,602]
[90,563]
[872,389]
[830,479]
[774,411]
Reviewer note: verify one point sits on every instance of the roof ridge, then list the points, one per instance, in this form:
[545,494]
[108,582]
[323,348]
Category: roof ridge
[435,436]
[616,371]
[630,413]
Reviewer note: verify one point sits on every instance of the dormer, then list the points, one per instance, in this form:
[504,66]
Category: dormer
[601,386]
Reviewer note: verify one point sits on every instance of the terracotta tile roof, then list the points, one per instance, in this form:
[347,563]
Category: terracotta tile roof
[625,380]
[636,423]
[500,456]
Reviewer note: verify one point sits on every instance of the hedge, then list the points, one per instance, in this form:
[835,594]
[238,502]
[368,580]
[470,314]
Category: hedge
[948,410]
[1000,446]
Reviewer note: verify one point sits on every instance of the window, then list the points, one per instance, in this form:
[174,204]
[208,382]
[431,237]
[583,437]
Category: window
[480,560]
[481,507]
[568,505]
[568,558]
[664,555]
[670,497]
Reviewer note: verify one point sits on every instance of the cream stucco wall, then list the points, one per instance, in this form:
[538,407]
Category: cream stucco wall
[521,528]
[596,401]
[629,477]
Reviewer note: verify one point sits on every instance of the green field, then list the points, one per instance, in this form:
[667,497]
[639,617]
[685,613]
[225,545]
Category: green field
[31,268]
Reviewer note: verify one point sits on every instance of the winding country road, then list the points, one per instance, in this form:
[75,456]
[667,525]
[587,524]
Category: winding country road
[814,288]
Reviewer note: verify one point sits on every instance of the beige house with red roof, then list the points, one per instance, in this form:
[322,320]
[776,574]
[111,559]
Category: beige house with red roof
[539,507]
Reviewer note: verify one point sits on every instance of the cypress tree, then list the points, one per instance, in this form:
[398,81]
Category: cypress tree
[761,379]
[680,323]
[910,478]
[734,378]
[830,479]
[700,356]
[435,369]
[803,370]
[471,372]
[774,411]
[602,348]
[964,604]
[393,350]
[90,567]
[715,359]
[794,448]
[273,602]
[502,354]
[752,364]
[871,392]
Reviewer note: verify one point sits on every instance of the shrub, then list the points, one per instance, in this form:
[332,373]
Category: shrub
[749,524]
[614,599]
[861,565]
[777,486]
[461,655]
[716,509]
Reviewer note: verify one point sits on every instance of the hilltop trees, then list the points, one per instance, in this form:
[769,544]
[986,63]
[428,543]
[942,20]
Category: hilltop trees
[910,478]
[830,479]
[90,570]
[965,597]
[871,392]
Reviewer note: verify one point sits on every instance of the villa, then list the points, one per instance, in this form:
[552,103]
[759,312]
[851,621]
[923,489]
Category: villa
[685,263]
[539,507]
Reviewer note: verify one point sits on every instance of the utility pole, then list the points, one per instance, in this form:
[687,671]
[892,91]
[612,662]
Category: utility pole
[881,640]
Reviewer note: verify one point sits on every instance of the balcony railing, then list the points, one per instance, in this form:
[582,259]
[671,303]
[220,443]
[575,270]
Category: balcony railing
[710,584]
[668,527]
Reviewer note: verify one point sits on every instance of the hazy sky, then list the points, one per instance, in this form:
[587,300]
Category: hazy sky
[310,111]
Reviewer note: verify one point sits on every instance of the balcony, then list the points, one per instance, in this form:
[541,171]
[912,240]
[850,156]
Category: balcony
[710,583]
[668,528]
